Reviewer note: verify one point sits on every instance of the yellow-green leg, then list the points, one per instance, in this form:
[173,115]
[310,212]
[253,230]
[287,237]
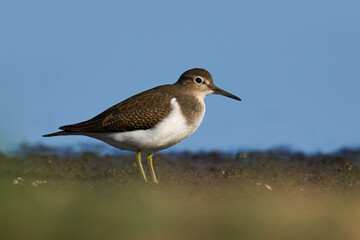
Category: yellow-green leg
[138,160]
[150,162]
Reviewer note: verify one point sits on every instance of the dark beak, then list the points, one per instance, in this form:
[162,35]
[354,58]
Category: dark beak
[225,93]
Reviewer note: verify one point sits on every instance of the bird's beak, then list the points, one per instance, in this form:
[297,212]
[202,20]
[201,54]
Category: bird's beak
[225,93]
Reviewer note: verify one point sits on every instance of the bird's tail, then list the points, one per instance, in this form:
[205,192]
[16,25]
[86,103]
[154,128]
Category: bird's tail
[60,133]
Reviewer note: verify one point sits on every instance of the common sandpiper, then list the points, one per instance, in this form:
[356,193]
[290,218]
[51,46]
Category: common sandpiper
[154,119]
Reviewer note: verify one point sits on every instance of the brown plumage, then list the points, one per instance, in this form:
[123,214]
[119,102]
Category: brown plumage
[144,110]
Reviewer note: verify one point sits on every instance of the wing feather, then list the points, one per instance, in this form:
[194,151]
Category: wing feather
[135,113]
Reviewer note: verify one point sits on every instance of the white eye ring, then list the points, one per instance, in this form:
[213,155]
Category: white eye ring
[198,80]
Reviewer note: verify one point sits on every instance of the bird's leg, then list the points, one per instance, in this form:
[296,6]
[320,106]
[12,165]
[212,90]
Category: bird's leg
[138,160]
[150,163]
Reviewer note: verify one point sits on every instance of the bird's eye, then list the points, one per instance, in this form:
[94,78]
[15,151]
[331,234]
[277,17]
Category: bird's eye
[198,80]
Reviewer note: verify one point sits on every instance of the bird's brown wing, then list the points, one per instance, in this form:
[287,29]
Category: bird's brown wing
[142,111]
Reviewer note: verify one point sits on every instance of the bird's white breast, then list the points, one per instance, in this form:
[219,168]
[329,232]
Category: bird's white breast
[171,130]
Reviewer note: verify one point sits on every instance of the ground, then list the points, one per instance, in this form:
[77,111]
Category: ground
[45,194]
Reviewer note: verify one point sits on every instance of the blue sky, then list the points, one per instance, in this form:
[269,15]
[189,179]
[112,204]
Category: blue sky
[295,64]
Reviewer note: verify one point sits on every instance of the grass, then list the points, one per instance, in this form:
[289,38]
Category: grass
[257,195]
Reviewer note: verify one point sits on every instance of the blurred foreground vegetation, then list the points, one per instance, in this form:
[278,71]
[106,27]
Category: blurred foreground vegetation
[47,194]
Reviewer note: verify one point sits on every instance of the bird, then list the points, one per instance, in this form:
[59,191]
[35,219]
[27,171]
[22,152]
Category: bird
[152,120]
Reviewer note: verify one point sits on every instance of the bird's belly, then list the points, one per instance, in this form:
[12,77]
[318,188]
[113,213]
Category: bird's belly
[150,140]
[170,131]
